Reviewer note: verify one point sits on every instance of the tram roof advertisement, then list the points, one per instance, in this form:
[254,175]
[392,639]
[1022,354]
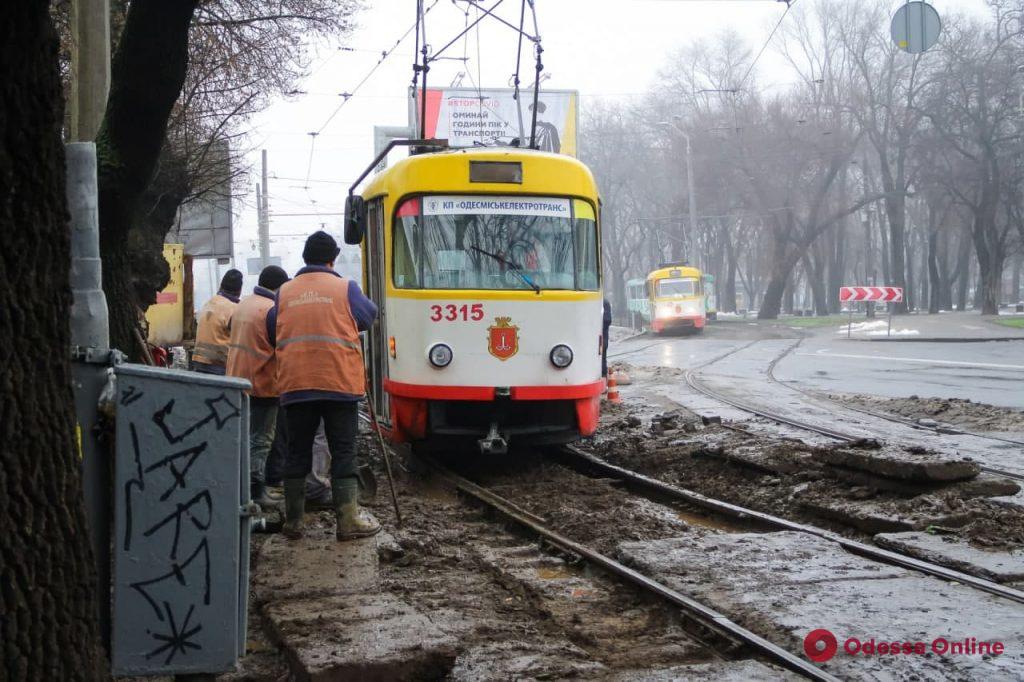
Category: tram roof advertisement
[468,117]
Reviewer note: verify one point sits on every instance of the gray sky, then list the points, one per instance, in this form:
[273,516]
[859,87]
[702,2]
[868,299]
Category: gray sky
[610,49]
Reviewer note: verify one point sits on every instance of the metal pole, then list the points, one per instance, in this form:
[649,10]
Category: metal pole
[91,360]
[90,67]
[375,425]
[264,222]
[849,325]
[692,242]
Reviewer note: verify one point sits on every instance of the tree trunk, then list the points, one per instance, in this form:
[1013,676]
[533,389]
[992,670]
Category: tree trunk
[147,73]
[935,288]
[837,267]
[781,274]
[50,629]
[816,281]
[727,291]
[1018,265]
[963,272]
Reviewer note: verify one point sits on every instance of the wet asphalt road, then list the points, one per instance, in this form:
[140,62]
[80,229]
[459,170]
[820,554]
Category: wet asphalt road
[990,372]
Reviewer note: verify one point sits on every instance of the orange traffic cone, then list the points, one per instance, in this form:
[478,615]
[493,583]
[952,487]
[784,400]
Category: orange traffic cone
[613,390]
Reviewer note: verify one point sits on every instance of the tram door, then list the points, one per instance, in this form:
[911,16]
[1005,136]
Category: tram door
[376,350]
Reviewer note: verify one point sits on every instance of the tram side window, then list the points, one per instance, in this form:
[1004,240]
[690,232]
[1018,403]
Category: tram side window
[407,250]
[586,254]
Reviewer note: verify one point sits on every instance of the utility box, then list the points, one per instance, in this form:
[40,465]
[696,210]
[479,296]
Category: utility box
[181,526]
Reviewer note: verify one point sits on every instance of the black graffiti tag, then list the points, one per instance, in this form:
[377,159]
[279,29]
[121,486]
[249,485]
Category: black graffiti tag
[215,405]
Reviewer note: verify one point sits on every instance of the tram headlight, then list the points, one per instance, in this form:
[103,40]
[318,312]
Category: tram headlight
[440,355]
[561,356]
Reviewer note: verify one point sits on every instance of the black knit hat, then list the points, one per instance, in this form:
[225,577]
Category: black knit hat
[231,283]
[273,277]
[320,249]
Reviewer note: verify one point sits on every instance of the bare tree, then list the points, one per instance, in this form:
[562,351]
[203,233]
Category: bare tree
[185,75]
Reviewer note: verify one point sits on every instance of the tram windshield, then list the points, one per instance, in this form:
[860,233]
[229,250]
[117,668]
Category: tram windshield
[488,242]
[680,286]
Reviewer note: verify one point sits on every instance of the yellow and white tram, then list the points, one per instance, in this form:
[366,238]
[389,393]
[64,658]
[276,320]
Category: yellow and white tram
[486,264]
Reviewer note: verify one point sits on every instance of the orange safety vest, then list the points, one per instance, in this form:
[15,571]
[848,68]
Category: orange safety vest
[317,339]
[250,355]
[212,334]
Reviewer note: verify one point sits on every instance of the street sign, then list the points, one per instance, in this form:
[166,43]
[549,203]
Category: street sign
[915,27]
[883,294]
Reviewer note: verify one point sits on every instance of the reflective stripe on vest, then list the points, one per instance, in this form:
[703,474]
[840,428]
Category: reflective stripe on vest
[317,339]
[251,356]
[212,335]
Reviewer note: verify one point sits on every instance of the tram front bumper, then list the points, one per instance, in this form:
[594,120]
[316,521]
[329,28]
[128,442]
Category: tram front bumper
[538,414]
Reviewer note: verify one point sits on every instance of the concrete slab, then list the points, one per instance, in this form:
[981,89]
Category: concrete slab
[1002,566]
[555,660]
[911,463]
[317,564]
[360,637]
[784,585]
[321,603]
[780,460]
[863,515]
[719,671]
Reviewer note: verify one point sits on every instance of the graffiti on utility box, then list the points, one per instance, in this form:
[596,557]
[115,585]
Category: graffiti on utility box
[178,555]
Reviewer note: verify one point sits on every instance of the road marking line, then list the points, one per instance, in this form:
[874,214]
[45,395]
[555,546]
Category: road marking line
[956,363]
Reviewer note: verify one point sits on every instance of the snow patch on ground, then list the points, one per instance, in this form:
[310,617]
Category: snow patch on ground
[875,328]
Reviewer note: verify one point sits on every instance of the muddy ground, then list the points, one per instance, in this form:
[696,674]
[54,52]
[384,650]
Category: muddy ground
[790,479]
[518,609]
[952,411]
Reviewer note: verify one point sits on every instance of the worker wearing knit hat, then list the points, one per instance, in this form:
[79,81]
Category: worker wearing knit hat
[320,249]
[272,277]
[320,376]
[252,356]
[213,331]
[231,283]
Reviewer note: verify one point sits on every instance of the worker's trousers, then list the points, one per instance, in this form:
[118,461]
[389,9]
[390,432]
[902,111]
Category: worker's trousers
[341,426]
[262,424]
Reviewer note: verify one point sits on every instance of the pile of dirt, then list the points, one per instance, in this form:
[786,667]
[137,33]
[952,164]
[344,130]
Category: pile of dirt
[953,411]
[807,483]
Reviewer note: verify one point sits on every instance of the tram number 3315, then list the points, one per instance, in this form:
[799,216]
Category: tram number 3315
[452,312]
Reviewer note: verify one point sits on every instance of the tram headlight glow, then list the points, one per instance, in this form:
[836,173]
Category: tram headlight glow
[561,356]
[440,355]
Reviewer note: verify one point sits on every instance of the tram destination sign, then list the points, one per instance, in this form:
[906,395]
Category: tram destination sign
[881,294]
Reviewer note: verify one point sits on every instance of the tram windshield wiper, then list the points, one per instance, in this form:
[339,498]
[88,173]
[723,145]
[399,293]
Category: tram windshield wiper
[512,265]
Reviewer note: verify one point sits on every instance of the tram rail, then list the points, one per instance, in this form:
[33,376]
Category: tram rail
[697,611]
[696,384]
[659,491]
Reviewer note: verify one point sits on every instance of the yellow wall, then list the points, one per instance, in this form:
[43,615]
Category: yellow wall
[166,316]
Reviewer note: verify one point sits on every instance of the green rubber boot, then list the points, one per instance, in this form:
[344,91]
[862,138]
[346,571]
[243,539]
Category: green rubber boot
[294,507]
[353,522]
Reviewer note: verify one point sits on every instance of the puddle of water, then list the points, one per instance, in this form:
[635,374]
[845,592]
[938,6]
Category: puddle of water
[555,572]
[692,519]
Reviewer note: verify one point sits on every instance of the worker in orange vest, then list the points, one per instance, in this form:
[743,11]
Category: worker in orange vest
[213,333]
[320,376]
[251,356]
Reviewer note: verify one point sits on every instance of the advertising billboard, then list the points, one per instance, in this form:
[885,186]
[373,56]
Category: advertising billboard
[468,117]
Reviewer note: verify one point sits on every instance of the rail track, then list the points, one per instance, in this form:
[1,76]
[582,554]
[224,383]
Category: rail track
[694,382]
[659,491]
[698,612]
